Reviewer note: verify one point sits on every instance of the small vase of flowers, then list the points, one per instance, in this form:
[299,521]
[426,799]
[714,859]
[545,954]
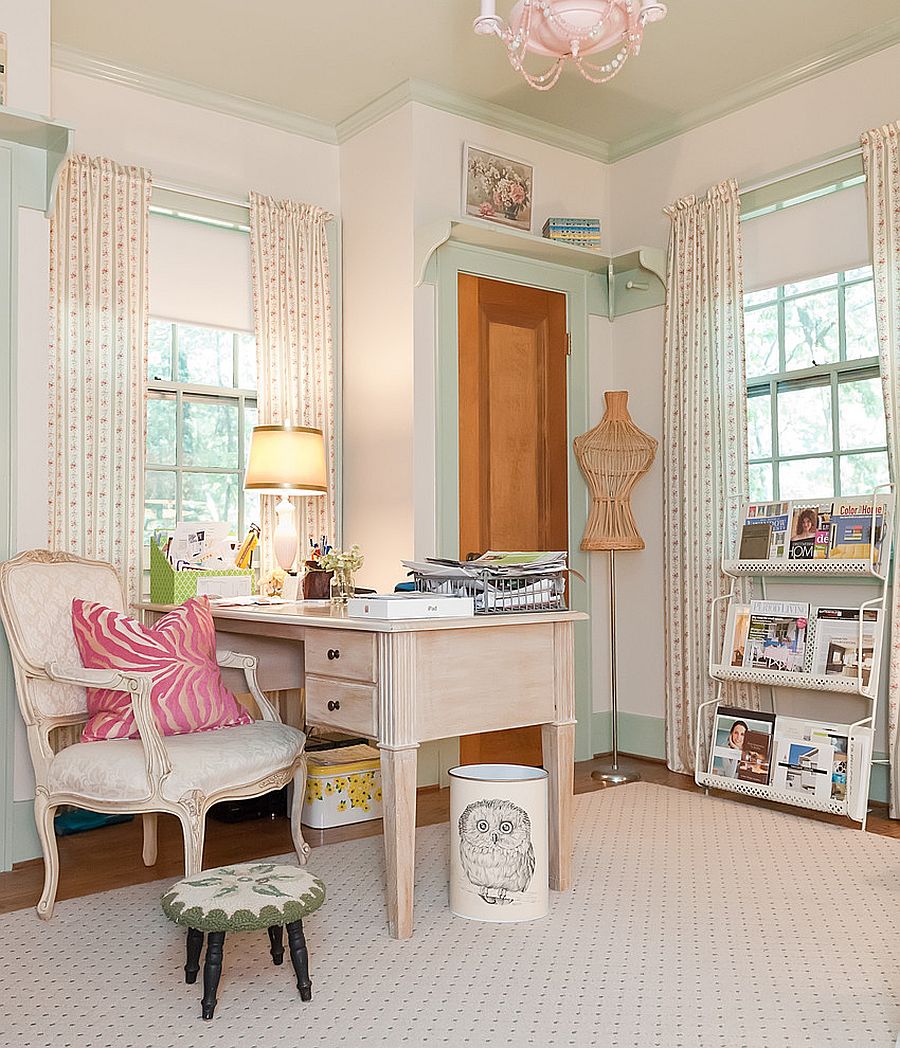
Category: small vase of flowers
[345,564]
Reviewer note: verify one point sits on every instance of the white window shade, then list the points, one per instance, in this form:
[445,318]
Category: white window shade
[200,274]
[826,235]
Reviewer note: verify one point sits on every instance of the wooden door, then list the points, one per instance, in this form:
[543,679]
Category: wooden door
[513,445]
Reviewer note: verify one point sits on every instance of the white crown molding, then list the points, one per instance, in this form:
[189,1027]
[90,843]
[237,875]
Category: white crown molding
[75,61]
[869,42]
[465,106]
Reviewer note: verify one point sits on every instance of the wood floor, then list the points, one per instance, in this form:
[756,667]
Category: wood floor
[99,860]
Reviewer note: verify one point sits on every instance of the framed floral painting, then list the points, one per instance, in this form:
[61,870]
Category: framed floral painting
[497,188]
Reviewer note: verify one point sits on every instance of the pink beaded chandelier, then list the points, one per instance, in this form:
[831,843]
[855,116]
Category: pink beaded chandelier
[568,31]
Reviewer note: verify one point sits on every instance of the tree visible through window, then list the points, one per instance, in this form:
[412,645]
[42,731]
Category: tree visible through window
[815,416]
[201,409]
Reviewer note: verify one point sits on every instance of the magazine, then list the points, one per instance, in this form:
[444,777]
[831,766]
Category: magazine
[808,532]
[776,635]
[803,766]
[822,735]
[741,744]
[777,516]
[851,529]
[736,625]
[833,643]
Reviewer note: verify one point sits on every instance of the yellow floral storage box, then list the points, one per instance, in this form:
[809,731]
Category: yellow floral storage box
[343,786]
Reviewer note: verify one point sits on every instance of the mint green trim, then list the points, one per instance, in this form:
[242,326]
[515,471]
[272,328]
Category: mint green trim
[877,37]
[75,61]
[879,784]
[8,418]
[451,260]
[25,842]
[638,734]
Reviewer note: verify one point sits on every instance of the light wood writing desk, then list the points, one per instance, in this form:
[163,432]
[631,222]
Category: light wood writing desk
[407,682]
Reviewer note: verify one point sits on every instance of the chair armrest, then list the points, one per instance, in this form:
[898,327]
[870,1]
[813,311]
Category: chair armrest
[138,686]
[248,663]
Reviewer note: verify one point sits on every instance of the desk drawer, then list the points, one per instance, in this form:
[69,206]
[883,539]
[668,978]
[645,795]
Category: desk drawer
[341,653]
[339,704]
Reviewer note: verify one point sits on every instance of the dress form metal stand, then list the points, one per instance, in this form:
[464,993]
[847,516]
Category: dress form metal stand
[612,774]
[613,456]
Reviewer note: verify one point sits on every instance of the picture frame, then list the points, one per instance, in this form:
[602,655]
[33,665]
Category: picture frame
[497,188]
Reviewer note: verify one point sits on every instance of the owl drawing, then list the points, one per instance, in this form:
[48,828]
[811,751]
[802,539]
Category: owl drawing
[495,849]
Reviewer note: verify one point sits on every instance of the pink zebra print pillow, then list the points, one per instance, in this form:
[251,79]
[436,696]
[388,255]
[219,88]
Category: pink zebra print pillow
[180,650]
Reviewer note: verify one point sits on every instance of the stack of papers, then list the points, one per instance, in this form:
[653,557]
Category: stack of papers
[499,563]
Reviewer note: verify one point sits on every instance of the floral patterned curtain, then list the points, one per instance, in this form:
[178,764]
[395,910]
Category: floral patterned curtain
[705,450]
[98,352]
[295,353]
[881,160]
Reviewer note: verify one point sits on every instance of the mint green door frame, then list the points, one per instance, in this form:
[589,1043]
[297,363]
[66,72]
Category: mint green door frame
[583,295]
[8,705]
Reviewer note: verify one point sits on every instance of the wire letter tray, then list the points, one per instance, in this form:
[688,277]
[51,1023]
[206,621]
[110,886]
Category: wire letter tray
[498,593]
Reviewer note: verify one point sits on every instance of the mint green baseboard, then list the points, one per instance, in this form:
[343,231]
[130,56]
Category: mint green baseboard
[643,736]
[646,737]
[25,843]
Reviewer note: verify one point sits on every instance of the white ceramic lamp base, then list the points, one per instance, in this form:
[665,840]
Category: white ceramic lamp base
[285,537]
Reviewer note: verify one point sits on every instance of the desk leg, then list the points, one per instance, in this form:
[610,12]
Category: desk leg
[559,760]
[398,786]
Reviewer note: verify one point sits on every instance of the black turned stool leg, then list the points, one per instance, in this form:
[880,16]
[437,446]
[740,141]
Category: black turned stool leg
[276,941]
[212,969]
[300,959]
[194,946]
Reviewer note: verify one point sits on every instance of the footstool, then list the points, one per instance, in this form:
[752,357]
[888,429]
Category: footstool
[247,897]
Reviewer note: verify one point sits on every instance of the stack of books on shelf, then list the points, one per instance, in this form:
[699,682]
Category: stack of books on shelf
[839,529]
[790,755]
[793,637]
[585,232]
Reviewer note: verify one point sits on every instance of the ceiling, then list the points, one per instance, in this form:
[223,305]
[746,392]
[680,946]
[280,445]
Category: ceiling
[329,60]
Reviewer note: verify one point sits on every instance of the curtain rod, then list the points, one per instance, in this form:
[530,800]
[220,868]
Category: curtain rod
[806,169]
[201,194]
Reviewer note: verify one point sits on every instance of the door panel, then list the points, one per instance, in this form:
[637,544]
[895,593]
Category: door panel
[513,443]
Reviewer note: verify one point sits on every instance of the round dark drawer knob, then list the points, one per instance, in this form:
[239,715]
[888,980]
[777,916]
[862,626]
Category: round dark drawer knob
[334,653]
[333,705]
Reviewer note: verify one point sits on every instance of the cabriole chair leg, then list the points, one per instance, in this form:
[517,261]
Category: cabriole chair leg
[43,819]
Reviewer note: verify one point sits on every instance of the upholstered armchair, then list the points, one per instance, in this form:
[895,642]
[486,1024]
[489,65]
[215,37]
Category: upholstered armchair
[180,774]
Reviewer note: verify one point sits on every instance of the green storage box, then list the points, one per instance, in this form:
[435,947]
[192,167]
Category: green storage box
[168,586]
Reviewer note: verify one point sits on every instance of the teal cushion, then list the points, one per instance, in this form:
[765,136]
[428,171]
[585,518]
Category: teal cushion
[246,897]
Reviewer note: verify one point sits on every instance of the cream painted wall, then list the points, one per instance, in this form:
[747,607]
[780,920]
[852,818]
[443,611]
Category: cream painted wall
[377,213]
[816,119]
[192,146]
[27,28]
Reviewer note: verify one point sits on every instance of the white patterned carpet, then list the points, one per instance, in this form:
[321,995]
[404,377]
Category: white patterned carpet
[695,922]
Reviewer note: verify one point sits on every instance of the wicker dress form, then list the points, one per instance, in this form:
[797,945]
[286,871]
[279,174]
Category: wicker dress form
[613,457]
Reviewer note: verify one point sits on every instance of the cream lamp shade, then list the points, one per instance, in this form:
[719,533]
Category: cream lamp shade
[286,460]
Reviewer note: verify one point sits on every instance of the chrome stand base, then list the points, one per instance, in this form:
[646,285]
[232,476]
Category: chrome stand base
[616,776]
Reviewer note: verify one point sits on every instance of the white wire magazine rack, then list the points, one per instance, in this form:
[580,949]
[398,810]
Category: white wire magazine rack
[860,735]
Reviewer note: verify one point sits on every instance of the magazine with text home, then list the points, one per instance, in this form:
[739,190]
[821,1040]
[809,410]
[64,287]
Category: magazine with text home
[851,525]
[737,623]
[833,643]
[741,744]
[776,636]
[810,531]
[761,520]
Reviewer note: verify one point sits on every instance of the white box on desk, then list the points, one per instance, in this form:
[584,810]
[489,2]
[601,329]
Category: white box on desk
[411,606]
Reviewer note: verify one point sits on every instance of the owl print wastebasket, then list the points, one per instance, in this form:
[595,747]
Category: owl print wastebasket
[498,842]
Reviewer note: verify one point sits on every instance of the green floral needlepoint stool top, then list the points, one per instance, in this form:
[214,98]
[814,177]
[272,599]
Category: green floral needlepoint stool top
[248,897]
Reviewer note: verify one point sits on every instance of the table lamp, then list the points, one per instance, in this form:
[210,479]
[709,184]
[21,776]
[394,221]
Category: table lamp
[286,460]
